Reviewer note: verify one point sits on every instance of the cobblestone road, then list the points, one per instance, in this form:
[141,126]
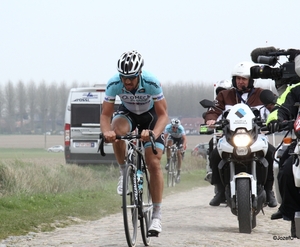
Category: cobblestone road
[188,220]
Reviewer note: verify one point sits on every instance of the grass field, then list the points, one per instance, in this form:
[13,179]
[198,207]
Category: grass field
[39,192]
[30,141]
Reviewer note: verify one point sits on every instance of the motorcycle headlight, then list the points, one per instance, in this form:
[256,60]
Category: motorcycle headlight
[241,140]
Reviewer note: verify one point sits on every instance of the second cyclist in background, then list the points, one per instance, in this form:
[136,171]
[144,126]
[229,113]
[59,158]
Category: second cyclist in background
[175,133]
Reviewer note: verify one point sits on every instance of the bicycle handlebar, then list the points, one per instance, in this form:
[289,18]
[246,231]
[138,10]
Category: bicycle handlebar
[126,137]
[175,145]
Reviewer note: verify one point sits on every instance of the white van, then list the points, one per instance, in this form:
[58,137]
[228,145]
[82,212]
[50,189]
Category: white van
[82,126]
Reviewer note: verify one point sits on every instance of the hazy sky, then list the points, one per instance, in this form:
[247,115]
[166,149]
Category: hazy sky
[180,40]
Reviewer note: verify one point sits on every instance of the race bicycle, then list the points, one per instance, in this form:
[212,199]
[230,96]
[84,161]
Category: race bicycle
[172,168]
[136,196]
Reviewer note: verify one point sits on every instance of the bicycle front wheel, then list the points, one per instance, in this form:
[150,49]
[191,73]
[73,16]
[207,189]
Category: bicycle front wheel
[146,208]
[174,171]
[129,205]
[170,174]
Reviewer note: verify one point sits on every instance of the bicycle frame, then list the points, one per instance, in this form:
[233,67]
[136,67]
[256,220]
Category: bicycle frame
[136,196]
[136,159]
[172,169]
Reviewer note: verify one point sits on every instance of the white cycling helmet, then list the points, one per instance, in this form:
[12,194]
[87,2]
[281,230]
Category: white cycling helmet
[130,63]
[175,122]
[242,69]
[222,85]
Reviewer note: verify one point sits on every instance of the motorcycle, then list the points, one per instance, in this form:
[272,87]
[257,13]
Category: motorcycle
[243,168]
[291,141]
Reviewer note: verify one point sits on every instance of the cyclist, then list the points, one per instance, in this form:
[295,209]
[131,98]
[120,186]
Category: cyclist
[144,107]
[243,91]
[175,133]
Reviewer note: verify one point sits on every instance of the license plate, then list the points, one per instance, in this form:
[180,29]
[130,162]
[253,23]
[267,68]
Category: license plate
[84,144]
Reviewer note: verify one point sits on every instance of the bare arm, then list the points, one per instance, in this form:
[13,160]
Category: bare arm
[162,117]
[162,120]
[166,138]
[184,143]
[105,120]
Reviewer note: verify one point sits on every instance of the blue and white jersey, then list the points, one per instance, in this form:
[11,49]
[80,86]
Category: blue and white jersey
[148,92]
[175,134]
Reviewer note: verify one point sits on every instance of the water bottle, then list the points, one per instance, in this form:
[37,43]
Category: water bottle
[140,179]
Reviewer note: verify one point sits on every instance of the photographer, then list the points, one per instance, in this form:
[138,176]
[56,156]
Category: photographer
[290,194]
[297,63]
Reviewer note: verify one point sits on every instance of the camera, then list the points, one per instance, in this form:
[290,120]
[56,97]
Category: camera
[282,74]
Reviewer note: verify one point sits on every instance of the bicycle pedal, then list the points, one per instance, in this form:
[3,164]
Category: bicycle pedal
[153,233]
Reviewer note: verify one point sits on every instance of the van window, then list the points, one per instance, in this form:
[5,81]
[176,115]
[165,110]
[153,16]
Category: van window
[87,113]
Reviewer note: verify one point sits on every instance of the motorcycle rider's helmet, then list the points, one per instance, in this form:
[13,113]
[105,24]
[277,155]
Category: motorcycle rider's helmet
[130,63]
[175,122]
[222,85]
[242,69]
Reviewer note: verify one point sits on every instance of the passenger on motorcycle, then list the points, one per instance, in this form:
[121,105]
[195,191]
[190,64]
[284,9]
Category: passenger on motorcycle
[243,91]
[220,86]
[175,133]
[290,194]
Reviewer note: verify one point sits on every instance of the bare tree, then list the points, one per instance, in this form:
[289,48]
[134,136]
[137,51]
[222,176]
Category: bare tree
[46,104]
[32,103]
[1,103]
[10,106]
[74,84]
[63,92]
[53,105]
[183,98]
[21,103]
[43,105]
[2,122]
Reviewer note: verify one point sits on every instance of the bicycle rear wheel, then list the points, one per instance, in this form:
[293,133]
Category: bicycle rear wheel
[146,208]
[129,205]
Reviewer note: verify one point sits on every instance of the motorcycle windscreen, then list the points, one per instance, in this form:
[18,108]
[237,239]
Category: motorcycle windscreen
[240,116]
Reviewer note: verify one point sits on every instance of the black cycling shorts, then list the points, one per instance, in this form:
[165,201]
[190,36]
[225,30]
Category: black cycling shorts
[178,141]
[143,121]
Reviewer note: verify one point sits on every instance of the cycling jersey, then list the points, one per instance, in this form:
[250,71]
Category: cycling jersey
[178,133]
[149,91]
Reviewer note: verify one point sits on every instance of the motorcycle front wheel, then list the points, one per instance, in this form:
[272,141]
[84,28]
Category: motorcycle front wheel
[244,205]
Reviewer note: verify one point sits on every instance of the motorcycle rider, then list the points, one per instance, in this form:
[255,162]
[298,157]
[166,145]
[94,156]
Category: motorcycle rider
[243,91]
[175,133]
[290,194]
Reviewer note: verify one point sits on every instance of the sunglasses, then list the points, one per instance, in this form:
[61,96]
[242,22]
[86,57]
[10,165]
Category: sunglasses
[131,77]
